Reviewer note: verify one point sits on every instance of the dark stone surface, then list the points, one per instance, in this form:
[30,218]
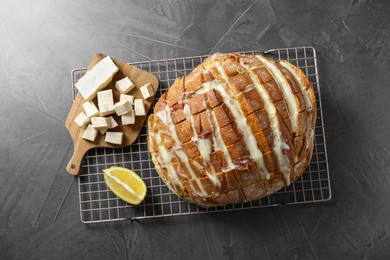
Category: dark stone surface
[41,41]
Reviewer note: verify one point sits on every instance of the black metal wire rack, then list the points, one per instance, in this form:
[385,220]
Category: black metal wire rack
[99,204]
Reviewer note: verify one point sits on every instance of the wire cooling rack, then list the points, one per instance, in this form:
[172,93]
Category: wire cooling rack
[99,204]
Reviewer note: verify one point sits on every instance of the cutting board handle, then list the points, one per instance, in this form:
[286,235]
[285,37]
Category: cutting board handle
[73,166]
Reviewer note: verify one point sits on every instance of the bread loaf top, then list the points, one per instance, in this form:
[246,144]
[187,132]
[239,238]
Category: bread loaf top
[237,128]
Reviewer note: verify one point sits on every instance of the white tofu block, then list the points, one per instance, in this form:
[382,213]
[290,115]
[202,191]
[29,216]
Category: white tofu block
[90,133]
[103,130]
[105,97]
[114,137]
[113,123]
[100,122]
[124,85]
[123,107]
[107,110]
[147,91]
[96,78]
[106,102]
[82,120]
[129,98]
[128,119]
[90,109]
[139,107]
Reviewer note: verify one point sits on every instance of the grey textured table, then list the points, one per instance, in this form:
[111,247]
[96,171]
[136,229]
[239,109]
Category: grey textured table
[42,41]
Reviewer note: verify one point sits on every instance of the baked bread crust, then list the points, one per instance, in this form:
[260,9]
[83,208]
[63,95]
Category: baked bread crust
[236,129]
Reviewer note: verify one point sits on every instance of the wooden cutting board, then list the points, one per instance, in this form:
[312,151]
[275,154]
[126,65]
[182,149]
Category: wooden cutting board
[81,146]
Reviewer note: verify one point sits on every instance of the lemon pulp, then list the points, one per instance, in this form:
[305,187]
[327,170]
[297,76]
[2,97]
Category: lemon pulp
[125,184]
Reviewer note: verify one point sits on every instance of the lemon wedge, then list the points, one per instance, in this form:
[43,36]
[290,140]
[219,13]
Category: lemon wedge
[125,184]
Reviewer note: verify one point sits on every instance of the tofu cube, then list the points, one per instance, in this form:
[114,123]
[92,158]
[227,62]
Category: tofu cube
[96,78]
[122,107]
[103,130]
[139,107]
[129,118]
[113,123]
[100,122]
[105,97]
[82,120]
[106,102]
[114,138]
[90,133]
[129,98]
[107,110]
[124,85]
[147,91]
[90,109]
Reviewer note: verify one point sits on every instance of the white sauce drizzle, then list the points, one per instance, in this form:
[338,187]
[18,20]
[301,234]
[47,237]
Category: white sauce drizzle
[220,144]
[180,153]
[167,156]
[204,147]
[240,119]
[278,145]
[208,111]
[309,131]
[285,88]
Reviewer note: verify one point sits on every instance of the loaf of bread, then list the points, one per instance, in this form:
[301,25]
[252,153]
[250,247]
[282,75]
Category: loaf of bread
[236,129]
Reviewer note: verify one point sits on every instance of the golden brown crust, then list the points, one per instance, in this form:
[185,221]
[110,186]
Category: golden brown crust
[203,140]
